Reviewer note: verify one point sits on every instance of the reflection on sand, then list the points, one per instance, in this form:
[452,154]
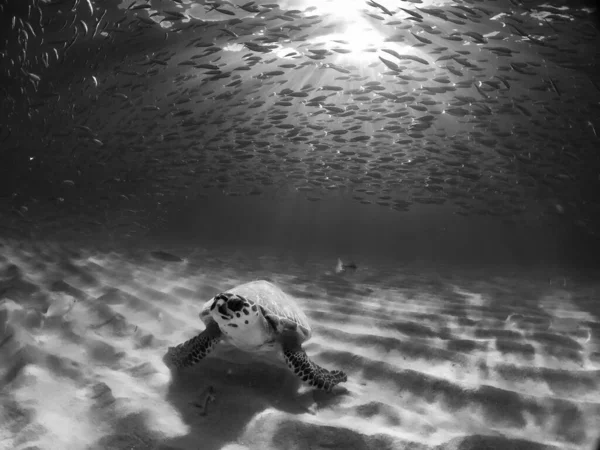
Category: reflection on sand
[434,360]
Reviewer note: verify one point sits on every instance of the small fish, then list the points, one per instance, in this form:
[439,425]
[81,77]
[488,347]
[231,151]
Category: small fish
[390,64]
[476,37]
[413,14]
[229,32]
[411,57]
[504,81]
[175,14]
[422,39]
[340,267]
[590,124]
[225,11]
[554,86]
[165,256]
[331,88]
[90,7]
[381,7]
[250,7]
[84,128]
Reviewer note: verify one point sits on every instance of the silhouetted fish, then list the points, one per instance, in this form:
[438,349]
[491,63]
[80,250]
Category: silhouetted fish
[482,111]
[343,268]
[166,256]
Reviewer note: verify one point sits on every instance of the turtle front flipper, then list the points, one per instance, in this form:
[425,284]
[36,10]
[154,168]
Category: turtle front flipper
[192,351]
[311,373]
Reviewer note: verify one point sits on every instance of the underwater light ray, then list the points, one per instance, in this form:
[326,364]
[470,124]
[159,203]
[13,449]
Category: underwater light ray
[348,22]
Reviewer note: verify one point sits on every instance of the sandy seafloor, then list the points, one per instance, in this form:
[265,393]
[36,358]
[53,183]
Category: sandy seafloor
[437,358]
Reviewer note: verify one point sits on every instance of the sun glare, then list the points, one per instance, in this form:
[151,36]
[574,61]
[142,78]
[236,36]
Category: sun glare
[350,26]
[348,10]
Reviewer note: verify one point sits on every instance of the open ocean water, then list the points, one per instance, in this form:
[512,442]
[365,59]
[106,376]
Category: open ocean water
[420,177]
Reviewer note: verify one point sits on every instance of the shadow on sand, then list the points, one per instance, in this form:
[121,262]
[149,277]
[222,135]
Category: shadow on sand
[241,391]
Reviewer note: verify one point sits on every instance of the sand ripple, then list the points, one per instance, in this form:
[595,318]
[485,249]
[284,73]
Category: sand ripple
[432,362]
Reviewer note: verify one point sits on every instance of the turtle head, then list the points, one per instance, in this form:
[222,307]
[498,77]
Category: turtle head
[227,305]
[240,320]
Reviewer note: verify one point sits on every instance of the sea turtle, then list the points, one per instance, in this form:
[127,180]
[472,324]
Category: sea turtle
[256,317]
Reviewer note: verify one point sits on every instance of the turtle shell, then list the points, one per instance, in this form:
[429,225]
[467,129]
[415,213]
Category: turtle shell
[273,300]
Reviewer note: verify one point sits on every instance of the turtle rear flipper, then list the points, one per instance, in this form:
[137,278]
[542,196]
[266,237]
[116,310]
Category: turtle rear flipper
[311,373]
[194,350]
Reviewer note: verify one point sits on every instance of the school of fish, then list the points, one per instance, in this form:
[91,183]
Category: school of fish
[489,108]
